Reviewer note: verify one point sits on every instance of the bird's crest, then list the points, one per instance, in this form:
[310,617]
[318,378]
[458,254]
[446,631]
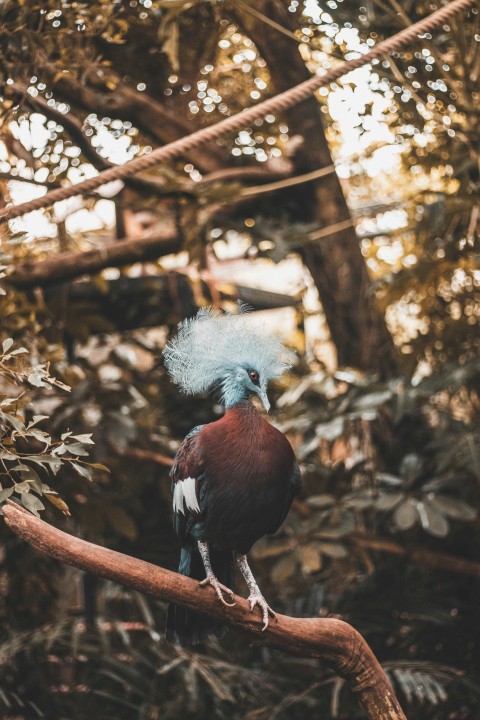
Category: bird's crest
[211,344]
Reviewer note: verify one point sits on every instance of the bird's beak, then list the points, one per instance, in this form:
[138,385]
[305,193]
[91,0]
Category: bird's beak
[263,397]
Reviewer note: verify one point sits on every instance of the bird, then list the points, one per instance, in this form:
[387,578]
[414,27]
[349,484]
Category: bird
[234,479]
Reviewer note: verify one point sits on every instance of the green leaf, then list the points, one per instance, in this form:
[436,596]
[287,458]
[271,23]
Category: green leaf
[77,449]
[388,479]
[36,419]
[121,522]
[82,470]
[58,502]
[372,400]
[320,501]
[86,438]
[17,424]
[432,520]
[406,515]
[99,466]
[333,550]
[283,569]
[5,494]
[32,503]
[7,344]
[387,501]
[310,558]
[452,507]
[330,430]
[36,378]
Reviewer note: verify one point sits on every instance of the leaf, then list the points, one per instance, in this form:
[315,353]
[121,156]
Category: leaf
[36,378]
[59,503]
[452,507]
[387,478]
[77,449]
[121,522]
[410,468]
[36,419]
[310,558]
[432,520]
[267,548]
[330,430]
[345,527]
[283,569]
[86,438]
[7,344]
[99,466]
[320,501]
[5,494]
[372,400]
[32,503]
[82,470]
[387,501]
[333,550]
[405,515]
[13,421]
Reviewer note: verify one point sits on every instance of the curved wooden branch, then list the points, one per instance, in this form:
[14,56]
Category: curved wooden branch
[335,642]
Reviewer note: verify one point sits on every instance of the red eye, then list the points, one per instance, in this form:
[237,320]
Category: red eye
[253,375]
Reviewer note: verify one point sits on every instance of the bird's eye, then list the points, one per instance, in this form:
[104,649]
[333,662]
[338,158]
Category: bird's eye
[253,375]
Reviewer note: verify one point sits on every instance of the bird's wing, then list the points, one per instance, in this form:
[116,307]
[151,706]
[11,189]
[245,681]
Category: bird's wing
[293,490]
[188,489]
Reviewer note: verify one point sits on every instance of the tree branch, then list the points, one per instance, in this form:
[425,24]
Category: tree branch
[148,115]
[335,642]
[419,556]
[67,266]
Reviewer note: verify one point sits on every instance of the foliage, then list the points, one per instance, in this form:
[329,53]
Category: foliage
[25,449]
[394,463]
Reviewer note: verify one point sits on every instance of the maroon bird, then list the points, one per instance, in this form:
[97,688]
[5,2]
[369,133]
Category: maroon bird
[233,480]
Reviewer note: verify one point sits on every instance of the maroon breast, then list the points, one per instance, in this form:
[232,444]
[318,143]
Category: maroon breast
[248,467]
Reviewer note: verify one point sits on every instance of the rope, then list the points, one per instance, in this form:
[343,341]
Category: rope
[234,123]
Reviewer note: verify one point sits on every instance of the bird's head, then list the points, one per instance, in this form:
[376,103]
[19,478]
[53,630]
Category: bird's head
[222,351]
[240,383]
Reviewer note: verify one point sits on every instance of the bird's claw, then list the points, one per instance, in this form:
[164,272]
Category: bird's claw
[258,599]
[219,589]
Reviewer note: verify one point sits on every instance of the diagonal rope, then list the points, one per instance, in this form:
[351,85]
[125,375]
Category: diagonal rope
[232,124]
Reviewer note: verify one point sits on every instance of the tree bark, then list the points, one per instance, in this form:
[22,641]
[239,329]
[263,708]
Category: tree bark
[148,115]
[335,642]
[68,266]
[335,262]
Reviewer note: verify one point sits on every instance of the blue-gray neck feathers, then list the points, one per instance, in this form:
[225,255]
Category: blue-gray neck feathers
[221,351]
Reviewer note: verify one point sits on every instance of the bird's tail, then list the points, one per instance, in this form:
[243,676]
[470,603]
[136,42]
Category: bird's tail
[186,626]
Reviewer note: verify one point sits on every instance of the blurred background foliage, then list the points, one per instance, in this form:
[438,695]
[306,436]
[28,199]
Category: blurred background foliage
[385,533]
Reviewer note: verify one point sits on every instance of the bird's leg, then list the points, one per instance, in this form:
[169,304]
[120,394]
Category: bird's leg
[255,597]
[211,579]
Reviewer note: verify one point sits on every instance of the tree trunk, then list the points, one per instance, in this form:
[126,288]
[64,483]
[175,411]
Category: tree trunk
[335,261]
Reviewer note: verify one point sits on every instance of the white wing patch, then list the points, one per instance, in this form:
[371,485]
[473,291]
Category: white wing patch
[184,493]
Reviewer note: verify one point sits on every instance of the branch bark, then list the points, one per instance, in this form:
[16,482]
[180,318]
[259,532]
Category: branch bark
[333,641]
[148,115]
[419,556]
[67,266]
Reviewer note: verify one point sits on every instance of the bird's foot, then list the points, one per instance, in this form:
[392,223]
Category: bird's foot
[219,589]
[256,598]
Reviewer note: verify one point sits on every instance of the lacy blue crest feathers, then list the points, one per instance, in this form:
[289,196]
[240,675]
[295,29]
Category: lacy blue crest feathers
[212,344]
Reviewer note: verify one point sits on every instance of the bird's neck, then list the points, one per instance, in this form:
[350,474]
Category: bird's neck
[233,393]
[242,409]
